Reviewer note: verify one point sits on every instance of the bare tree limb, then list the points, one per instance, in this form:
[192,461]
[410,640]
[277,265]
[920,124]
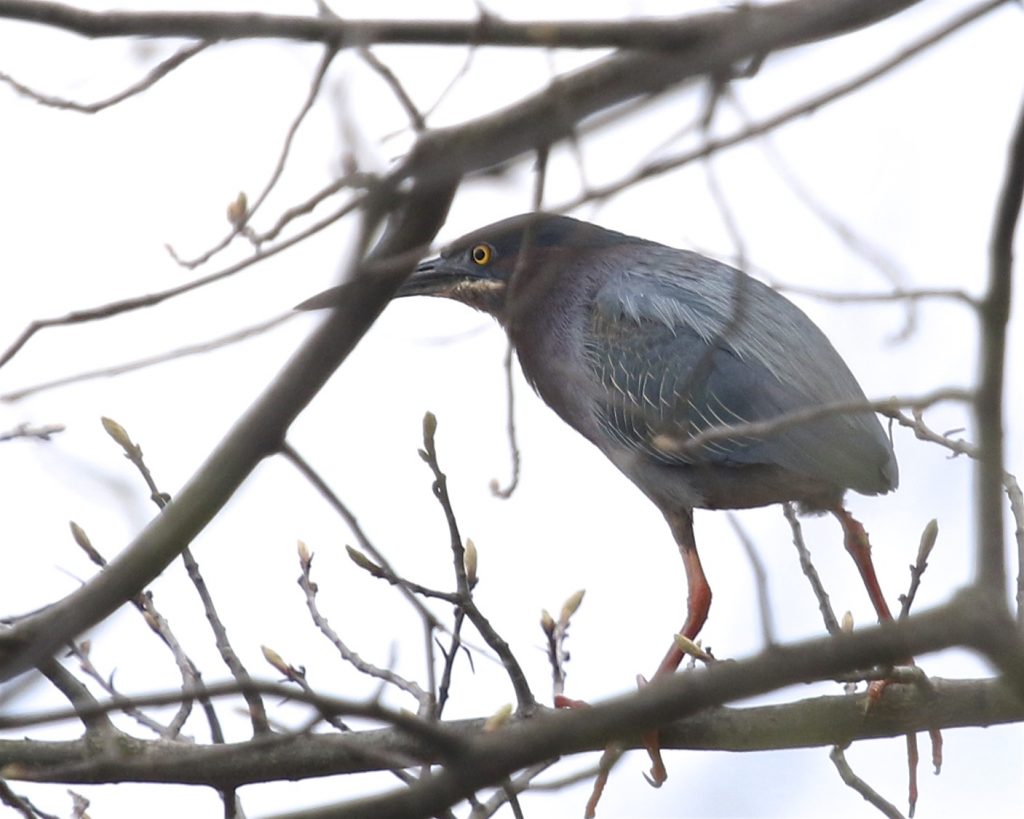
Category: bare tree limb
[808,106]
[518,745]
[988,403]
[485,30]
[814,722]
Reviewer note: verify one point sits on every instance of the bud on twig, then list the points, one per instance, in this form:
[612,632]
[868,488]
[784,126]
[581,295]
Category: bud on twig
[499,718]
[305,556]
[547,622]
[469,558]
[928,538]
[363,562]
[238,210]
[276,660]
[81,538]
[847,623]
[118,433]
[570,606]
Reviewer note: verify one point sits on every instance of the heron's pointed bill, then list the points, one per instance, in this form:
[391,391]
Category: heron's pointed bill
[432,277]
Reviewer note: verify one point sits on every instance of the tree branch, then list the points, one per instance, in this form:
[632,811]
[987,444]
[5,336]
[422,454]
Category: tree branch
[988,403]
[681,32]
[814,722]
[495,756]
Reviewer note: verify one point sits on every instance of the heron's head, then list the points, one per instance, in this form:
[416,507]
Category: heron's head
[510,259]
[516,264]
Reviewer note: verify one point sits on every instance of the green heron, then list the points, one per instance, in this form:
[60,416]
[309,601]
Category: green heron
[641,348]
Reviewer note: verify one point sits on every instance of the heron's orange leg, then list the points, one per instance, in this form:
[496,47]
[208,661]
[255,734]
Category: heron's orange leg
[698,604]
[855,539]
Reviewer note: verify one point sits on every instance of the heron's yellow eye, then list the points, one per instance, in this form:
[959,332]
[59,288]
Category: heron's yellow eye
[482,254]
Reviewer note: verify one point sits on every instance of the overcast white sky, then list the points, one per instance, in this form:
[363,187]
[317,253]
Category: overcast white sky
[911,163]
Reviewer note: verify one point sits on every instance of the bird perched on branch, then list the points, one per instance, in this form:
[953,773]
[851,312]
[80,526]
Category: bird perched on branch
[705,387]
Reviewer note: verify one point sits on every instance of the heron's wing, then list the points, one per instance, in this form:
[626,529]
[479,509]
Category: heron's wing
[677,355]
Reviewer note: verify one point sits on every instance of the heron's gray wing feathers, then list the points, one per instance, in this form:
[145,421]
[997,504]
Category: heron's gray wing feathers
[693,344]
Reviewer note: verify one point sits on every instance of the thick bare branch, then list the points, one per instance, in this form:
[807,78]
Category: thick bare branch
[485,30]
[995,312]
[496,756]
[814,722]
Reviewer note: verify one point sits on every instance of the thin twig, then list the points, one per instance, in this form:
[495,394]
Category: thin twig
[860,786]
[806,564]
[394,762]
[757,429]
[506,794]
[721,201]
[808,106]
[133,452]
[960,446]
[924,550]
[416,118]
[446,743]
[857,244]
[80,651]
[150,361]
[190,676]
[309,473]
[298,677]
[505,492]
[257,711]
[43,433]
[524,695]
[22,804]
[896,295]
[497,489]
[149,300]
[408,591]
[351,657]
[760,580]
[155,74]
[556,632]
[450,654]
[241,223]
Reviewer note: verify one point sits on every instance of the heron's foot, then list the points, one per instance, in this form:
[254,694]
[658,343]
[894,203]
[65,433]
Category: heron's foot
[652,742]
[910,674]
[875,691]
[562,701]
[604,768]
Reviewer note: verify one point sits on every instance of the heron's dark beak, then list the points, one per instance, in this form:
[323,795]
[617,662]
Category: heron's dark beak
[420,283]
[432,277]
